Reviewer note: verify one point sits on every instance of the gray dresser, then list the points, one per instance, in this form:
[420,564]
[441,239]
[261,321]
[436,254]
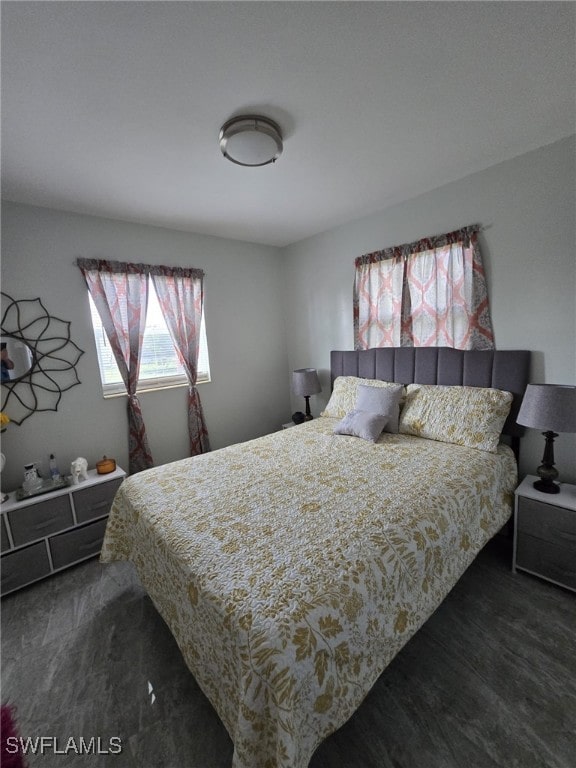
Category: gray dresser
[545,533]
[47,533]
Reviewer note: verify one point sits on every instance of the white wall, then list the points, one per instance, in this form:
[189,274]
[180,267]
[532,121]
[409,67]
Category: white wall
[248,395]
[527,207]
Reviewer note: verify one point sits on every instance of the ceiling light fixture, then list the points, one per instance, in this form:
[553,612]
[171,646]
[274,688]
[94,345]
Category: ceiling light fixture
[251,140]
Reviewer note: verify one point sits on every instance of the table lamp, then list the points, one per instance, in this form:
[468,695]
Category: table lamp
[550,407]
[305,382]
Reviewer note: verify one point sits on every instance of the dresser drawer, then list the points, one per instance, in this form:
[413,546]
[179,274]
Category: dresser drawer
[5,540]
[67,548]
[24,565]
[95,501]
[545,559]
[38,520]
[545,521]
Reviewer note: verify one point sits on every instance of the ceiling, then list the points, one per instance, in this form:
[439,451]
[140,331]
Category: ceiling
[114,108]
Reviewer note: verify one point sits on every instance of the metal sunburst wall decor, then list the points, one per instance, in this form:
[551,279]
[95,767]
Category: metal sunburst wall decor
[39,358]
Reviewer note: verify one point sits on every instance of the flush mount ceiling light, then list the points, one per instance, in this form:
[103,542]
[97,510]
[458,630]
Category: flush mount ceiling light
[251,140]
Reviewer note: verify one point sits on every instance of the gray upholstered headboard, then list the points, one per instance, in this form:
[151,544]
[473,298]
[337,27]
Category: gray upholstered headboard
[502,369]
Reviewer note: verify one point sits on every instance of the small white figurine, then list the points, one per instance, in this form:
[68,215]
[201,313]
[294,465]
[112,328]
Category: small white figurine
[79,470]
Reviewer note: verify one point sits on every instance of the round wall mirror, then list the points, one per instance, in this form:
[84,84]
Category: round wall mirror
[17,358]
[39,358]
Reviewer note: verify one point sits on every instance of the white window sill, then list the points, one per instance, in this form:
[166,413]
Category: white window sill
[153,387]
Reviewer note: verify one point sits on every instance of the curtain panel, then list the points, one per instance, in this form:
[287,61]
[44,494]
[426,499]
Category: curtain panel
[181,296]
[120,294]
[431,292]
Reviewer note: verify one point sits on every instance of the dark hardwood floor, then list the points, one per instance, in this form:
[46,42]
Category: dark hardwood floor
[488,682]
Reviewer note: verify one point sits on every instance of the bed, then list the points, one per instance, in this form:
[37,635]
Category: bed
[292,568]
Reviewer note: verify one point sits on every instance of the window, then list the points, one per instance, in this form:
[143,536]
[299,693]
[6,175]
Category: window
[428,293]
[159,364]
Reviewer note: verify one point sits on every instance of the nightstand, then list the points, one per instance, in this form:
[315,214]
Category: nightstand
[545,533]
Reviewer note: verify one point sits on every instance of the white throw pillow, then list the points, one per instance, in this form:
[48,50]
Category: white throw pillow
[384,400]
[362,424]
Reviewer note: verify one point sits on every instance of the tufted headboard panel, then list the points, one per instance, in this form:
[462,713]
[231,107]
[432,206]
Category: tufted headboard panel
[501,369]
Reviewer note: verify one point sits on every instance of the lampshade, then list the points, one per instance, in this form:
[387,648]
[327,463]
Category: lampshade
[549,406]
[305,382]
[251,140]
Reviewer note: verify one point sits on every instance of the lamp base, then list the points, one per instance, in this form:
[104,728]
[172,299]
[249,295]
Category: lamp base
[546,486]
[547,471]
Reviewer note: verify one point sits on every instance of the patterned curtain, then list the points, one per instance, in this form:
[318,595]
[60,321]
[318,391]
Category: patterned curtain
[431,293]
[378,294]
[181,296]
[120,294]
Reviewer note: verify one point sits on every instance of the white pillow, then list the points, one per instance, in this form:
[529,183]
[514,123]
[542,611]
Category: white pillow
[362,424]
[344,393]
[384,400]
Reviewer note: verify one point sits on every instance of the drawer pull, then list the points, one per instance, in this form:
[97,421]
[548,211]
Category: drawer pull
[99,505]
[91,545]
[46,524]
[567,535]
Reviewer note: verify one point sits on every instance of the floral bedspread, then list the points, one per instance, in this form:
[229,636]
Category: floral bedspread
[292,568]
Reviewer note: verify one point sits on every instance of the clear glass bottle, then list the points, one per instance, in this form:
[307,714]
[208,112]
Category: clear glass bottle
[54,471]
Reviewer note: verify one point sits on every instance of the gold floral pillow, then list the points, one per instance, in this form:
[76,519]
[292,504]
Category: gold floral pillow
[470,416]
[344,394]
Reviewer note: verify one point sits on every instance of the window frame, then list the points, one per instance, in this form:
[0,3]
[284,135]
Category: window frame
[171,381]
